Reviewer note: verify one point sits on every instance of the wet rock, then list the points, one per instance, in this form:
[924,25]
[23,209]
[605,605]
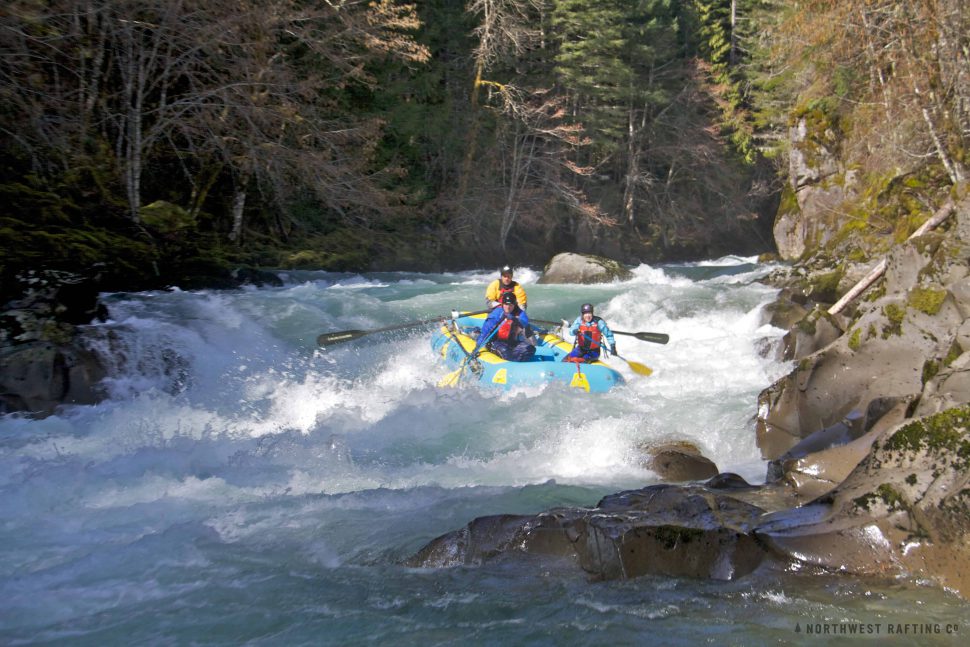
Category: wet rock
[949,388]
[892,348]
[814,331]
[47,306]
[38,377]
[44,363]
[728,481]
[257,277]
[583,268]
[904,510]
[823,460]
[667,530]
[787,309]
[678,461]
[481,539]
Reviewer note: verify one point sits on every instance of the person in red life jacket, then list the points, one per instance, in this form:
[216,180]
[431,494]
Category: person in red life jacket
[512,334]
[501,285]
[591,334]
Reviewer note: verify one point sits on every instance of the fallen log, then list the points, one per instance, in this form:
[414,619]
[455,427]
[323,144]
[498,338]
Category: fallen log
[941,214]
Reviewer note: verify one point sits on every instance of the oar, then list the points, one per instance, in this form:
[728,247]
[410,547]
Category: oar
[636,367]
[655,337]
[329,338]
[453,378]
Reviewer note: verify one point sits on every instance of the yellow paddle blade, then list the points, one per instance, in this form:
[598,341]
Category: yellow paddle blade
[451,379]
[638,368]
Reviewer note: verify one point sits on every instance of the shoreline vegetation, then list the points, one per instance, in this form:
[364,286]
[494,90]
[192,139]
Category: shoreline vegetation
[386,135]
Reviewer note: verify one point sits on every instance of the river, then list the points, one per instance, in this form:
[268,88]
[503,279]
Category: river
[242,486]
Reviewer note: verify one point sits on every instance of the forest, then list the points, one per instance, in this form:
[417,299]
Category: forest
[163,143]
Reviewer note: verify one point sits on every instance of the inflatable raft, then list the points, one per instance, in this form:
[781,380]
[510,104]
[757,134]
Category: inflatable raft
[455,341]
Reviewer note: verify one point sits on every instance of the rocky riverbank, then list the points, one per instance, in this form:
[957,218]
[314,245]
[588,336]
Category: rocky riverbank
[868,442]
[44,354]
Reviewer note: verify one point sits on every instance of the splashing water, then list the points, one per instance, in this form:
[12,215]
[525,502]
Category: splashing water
[241,485]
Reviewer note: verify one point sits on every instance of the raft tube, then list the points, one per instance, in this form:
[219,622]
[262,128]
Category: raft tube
[546,365]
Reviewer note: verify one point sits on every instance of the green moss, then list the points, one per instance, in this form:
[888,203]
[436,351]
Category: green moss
[855,340]
[945,432]
[928,300]
[930,369]
[911,479]
[789,203]
[857,255]
[955,352]
[807,324]
[166,218]
[874,294]
[863,501]
[893,499]
[895,314]
[886,493]
[825,286]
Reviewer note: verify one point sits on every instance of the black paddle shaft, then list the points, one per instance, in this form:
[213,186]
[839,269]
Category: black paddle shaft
[329,338]
[655,337]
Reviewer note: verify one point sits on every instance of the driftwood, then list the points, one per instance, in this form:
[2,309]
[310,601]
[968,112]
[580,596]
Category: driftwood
[941,214]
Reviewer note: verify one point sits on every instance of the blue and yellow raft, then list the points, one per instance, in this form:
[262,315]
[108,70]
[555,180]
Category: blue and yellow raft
[545,366]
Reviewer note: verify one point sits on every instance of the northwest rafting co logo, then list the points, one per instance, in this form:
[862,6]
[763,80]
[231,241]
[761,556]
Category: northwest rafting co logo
[876,628]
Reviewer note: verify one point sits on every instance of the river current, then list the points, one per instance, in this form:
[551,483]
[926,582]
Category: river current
[241,485]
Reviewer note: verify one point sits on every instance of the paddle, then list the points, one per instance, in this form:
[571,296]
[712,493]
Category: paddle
[453,378]
[655,337]
[339,337]
[636,367]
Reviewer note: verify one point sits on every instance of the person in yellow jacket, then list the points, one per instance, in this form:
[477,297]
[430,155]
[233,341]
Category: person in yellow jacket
[501,285]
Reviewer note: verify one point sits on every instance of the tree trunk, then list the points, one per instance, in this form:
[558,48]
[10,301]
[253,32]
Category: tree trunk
[238,206]
[632,169]
[953,168]
[518,176]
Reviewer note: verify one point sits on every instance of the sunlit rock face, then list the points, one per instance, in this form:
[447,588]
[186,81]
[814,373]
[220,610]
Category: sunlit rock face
[904,510]
[584,269]
[664,530]
[904,341]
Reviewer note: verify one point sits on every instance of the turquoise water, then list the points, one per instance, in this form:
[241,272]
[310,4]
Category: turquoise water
[241,486]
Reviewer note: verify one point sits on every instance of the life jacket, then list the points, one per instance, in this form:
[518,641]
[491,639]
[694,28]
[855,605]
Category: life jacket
[502,288]
[589,336]
[506,330]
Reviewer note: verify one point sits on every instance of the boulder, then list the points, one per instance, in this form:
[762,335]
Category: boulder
[38,377]
[903,510]
[583,268]
[816,330]
[663,529]
[44,362]
[678,461]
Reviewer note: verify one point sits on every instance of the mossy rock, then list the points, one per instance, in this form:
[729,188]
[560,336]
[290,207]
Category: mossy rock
[166,218]
[928,300]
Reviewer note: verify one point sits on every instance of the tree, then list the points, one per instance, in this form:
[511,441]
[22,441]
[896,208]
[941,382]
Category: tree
[250,91]
[908,63]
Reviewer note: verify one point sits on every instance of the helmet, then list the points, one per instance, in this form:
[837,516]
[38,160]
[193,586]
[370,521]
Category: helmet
[509,297]
[506,269]
[586,307]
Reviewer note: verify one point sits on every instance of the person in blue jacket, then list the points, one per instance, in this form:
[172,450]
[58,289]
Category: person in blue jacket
[512,335]
[591,334]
